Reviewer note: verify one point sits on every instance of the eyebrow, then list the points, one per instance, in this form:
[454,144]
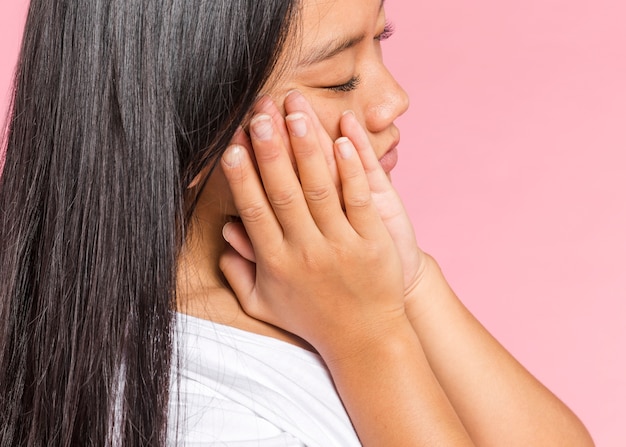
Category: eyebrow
[331,49]
[334,47]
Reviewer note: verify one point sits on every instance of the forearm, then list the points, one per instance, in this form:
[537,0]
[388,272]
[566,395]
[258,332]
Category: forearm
[498,401]
[391,394]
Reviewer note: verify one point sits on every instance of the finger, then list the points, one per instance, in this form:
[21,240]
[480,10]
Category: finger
[317,185]
[268,106]
[280,182]
[360,208]
[250,200]
[241,276]
[384,194]
[235,234]
[386,199]
[241,138]
[351,128]
[296,102]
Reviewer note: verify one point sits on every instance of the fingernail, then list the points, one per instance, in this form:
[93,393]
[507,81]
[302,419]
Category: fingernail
[294,100]
[261,126]
[233,155]
[292,92]
[296,124]
[225,231]
[348,112]
[345,147]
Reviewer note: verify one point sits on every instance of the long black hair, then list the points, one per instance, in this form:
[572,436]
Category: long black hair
[117,106]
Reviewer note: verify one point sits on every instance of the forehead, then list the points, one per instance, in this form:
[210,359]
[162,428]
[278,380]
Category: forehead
[320,25]
[321,20]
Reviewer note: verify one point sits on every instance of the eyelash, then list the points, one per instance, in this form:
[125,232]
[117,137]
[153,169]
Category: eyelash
[353,83]
[349,86]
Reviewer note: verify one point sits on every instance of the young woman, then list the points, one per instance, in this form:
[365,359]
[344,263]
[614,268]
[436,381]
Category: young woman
[171,277]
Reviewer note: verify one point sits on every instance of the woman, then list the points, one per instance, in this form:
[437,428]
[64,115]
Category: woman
[115,196]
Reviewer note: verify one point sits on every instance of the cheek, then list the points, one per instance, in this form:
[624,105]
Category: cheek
[329,113]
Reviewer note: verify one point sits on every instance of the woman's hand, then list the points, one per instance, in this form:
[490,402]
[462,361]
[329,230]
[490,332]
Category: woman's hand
[331,276]
[318,272]
[445,367]
[384,196]
[389,206]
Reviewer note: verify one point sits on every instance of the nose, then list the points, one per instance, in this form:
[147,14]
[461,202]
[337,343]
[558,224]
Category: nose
[388,101]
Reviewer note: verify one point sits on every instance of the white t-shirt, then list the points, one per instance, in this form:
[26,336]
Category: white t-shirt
[234,388]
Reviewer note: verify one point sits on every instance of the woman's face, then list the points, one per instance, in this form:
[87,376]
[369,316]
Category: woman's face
[338,66]
[335,60]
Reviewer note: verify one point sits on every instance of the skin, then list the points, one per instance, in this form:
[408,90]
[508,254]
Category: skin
[411,364]
[376,102]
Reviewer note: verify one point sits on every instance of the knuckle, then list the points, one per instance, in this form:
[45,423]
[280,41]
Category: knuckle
[307,256]
[311,260]
[352,175]
[374,253]
[252,212]
[359,200]
[267,154]
[274,266]
[284,198]
[313,263]
[316,193]
[371,253]
[305,150]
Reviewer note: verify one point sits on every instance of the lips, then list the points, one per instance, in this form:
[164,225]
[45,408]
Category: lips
[389,160]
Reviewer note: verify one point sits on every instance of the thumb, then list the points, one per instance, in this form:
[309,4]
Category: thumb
[235,234]
[241,276]
[239,272]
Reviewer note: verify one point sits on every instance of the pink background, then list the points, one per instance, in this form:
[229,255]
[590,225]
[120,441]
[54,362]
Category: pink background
[513,167]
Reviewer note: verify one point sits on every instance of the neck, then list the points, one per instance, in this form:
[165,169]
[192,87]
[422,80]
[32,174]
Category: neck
[200,285]
[201,289]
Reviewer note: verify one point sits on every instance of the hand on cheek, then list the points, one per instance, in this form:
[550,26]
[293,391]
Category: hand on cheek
[319,272]
[388,204]
[295,102]
[384,196]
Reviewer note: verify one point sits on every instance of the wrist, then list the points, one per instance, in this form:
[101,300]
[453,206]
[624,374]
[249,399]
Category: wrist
[356,344]
[430,289]
[391,393]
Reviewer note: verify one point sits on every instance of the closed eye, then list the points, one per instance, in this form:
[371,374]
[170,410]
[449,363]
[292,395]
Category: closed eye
[349,86]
